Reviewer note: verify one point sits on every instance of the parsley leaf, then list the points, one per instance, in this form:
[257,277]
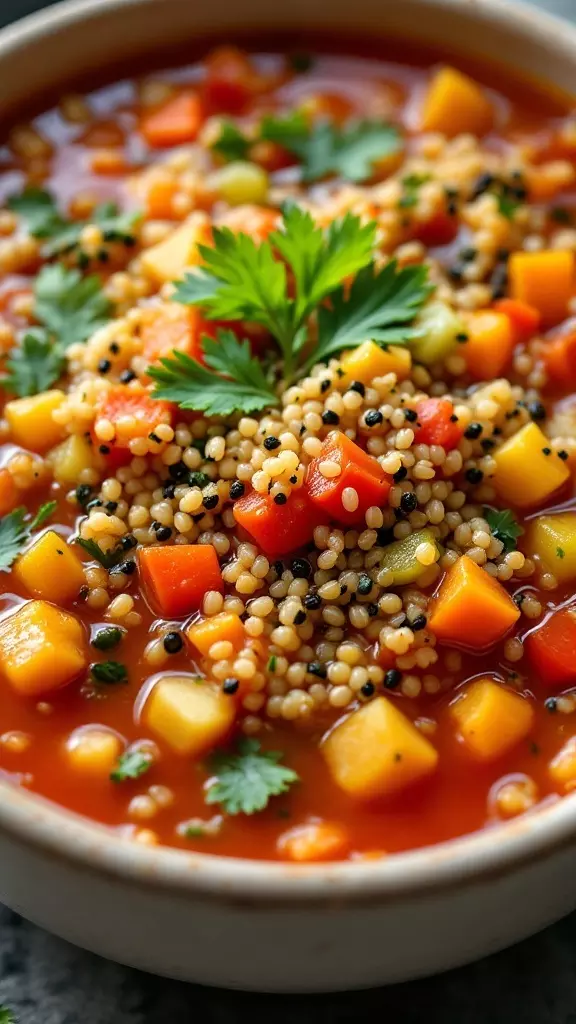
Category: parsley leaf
[131,765]
[504,527]
[244,781]
[69,306]
[182,380]
[109,672]
[107,637]
[15,531]
[560,552]
[411,185]
[7,1015]
[231,144]
[39,211]
[33,365]
[324,149]
[106,558]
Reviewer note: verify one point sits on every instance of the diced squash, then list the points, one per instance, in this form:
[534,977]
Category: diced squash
[42,648]
[527,471]
[400,557]
[471,608]
[31,422]
[50,569]
[314,841]
[70,458]
[9,494]
[167,260]
[93,750]
[377,751]
[544,280]
[491,340]
[175,578]
[562,767]
[491,719]
[524,319]
[369,360]
[191,715]
[553,539]
[160,197]
[171,326]
[455,104]
[438,327]
[226,626]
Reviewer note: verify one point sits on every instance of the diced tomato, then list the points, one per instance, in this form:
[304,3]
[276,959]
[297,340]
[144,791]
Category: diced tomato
[175,578]
[359,472]
[525,319]
[436,424]
[177,121]
[551,649]
[133,413]
[559,353]
[230,81]
[172,326]
[278,529]
[441,229]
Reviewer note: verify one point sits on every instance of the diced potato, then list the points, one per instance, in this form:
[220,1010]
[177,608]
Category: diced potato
[491,719]
[42,648]
[226,626]
[369,360]
[31,423]
[454,104]
[50,569]
[377,751]
[191,715]
[314,841]
[93,750]
[400,557]
[525,475]
[70,458]
[553,539]
[438,328]
[562,767]
[168,260]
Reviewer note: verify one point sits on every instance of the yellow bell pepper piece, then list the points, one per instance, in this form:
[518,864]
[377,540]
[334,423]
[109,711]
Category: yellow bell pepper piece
[50,569]
[400,557]
[525,475]
[191,715]
[553,539]
[455,104]
[167,260]
[42,648]
[31,423]
[369,360]
[377,751]
[70,457]
[491,719]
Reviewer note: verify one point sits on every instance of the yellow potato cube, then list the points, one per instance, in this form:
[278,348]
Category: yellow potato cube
[553,539]
[42,648]
[525,475]
[50,569]
[225,626]
[377,751]
[454,104]
[167,260]
[562,767]
[191,715]
[31,423]
[369,360]
[491,719]
[70,457]
[93,750]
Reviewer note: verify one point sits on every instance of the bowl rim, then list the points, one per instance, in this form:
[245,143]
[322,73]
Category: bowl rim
[473,859]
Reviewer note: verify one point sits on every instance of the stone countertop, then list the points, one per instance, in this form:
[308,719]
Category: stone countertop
[47,981]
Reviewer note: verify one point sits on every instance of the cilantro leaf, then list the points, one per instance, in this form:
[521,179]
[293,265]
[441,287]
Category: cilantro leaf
[109,672]
[39,211]
[15,531]
[131,765]
[503,526]
[106,558]
[231,144]
[182,380]
[7,1015]
[69,306]
[324,149]
[33,365]
[243,782]
[411,185]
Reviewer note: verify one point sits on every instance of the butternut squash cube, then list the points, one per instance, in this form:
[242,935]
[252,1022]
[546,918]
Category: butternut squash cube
[42,648]
[491,719]
[31,423]
[377,751]
[562,767]
[167,260]
[455,104]
[50,569]
[553,539]
[525,475]
[226,626]
[471,608]
[93,750]
[191,715]
[70,457]
[369,360]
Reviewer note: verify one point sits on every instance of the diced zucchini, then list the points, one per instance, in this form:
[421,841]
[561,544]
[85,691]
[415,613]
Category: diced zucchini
[438,327]
[400,557]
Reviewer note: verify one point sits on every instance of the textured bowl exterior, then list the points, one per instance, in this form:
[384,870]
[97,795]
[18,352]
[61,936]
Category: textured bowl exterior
[268,926]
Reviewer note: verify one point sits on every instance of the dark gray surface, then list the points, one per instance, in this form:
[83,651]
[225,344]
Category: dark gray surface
[47,981]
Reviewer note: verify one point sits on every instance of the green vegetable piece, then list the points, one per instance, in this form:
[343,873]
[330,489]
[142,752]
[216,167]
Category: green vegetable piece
[131,765]
[244,781]
[435,333]
[400,557]
[109,672]
[504,527]
[108,637]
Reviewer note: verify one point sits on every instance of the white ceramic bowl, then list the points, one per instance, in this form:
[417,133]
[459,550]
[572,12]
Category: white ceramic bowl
[269,926]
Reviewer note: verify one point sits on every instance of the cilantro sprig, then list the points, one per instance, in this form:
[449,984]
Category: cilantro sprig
[504,527]
[131,765]
[243,782]
[38,210]
[16,530]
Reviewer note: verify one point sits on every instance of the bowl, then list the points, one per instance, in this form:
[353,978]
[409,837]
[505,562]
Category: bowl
[262,925]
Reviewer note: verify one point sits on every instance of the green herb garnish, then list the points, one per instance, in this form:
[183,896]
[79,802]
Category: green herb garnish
[38,209]
[131,765]
[108,637]
[503,526]
[7,1015]
[411,185]
[560,552]
[109,672]
[108,559]
[271,666]
[15,531]
[231,144]
[244,781]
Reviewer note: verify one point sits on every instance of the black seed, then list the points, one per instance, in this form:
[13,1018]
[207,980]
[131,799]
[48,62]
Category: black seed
[400,475]
[482,184]
[164,533]
[473,430]
[280,499]
[168,490]
[104,366]
[114,348]
[299,618]
[562,454]
[537,411]
[468,254]
[111,506]
[502,255]
[365,585]
[324,386]
[104,449]
[367,690]
[83,492]
[547,451]
[330,418]
[237,489]
[373,417]
[277,567]
[301,569]
[173,642]
[385,535]
[474,476]
[411,415]
[230,686]
[179,471]
[498,281]
[451,209]
[497,431]
[126,376]
[358,386]
[461,337]
[128,542]
[343,589]
[418,623]
[270,443]
[408,501]
[392,679]
[210,501]
[455,272]
[154,437]
[487,443]
[293,479]
[312,602]
[372,610]
[551,704]
[316,668]
[128,567]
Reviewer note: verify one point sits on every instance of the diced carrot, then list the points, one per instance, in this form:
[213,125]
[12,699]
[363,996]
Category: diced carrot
[177,121]
[471,609]
[314,841]
[454,104]
[360,474]
[9,495]
[559,353]
[159,199]
[544,280]
[525,319]
[490,343]
[551,648]
[435,424]
[132,413]
[175,578]
[278,529]
[171,326]
[225,626]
